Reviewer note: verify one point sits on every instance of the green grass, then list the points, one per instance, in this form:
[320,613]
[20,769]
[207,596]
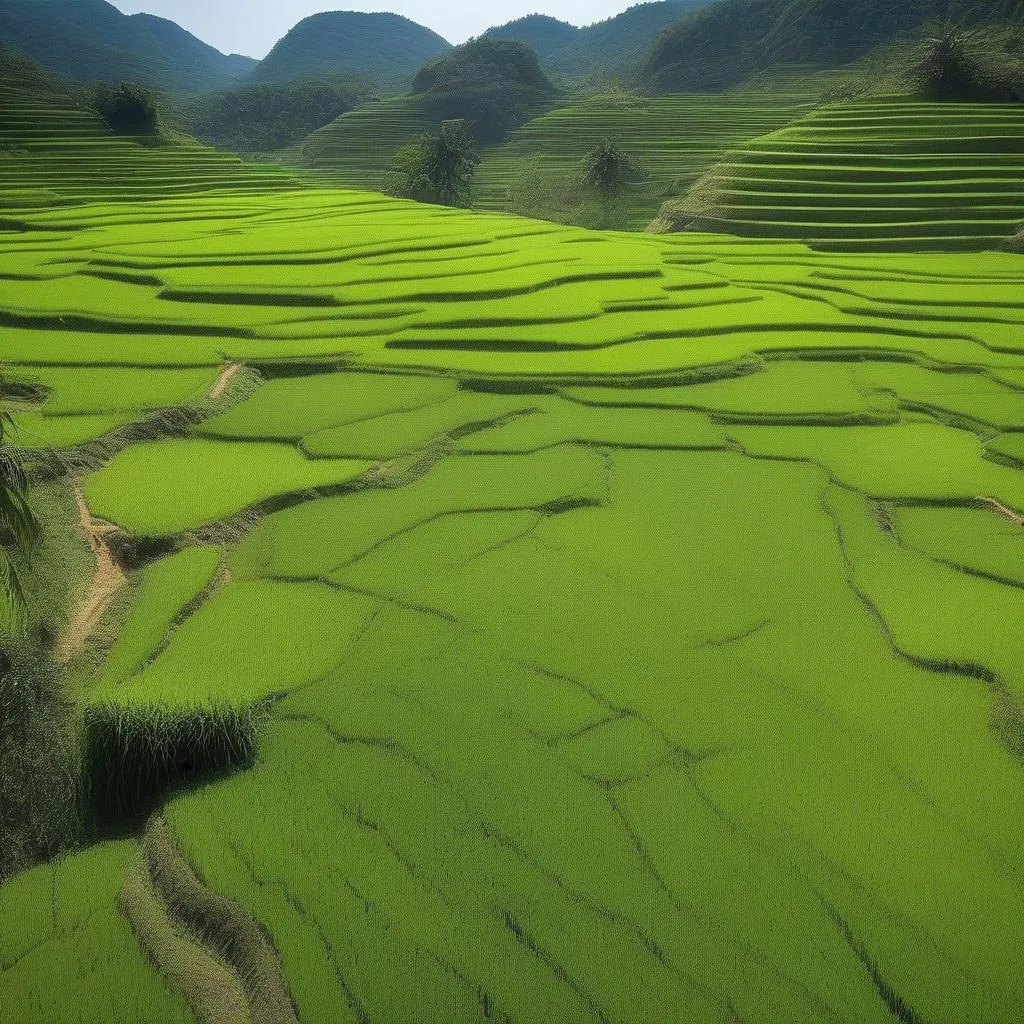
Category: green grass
[611,627]
[169,486]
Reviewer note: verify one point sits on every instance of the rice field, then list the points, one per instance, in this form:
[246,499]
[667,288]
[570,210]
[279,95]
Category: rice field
[557,626]
[675,138]
[895,174]
[54,150]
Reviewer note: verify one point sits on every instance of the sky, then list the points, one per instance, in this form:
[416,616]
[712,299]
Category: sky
[253,26]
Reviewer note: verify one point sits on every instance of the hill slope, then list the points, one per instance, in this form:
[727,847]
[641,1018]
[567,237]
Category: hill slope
[620,44]
[52,150]
[732,39]
[882,174]
[91,40]
[386,46]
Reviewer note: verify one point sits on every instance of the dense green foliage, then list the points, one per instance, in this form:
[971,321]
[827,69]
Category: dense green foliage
[728,41]
[437,168]
[385,47]
[127,108]
[19,527]
[951,62]
[542,33]
[260,118]
[618,46]
[91,40]
[607,173]
[495,84]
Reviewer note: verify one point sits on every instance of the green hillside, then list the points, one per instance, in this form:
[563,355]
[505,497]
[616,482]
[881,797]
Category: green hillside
[387,47]
[730,40]
[620,45]
[877,174]
[52,148]
[676,138]
[91,40]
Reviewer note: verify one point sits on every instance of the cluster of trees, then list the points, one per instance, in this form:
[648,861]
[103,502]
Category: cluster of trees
[263,117]
[495,84]
[128,108]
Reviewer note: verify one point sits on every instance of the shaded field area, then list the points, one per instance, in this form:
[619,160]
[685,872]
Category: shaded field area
[897,174]
[529,624]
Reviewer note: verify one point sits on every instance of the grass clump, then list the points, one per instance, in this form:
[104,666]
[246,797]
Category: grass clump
[135,755]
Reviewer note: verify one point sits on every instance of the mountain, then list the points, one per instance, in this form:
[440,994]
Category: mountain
[387,46]
[725,43]
[91,40]
[621,44]
[546,35]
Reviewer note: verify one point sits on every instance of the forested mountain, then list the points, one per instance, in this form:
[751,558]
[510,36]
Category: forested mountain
[547,35]
[388,47]
[91,40]
[619,44]
[731,39]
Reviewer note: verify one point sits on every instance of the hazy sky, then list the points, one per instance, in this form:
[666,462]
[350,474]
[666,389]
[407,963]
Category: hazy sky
[253,26]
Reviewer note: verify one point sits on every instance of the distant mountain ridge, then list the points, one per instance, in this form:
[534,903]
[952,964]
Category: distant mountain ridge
[389,47]
[91,40]
[730,40]
[541,32]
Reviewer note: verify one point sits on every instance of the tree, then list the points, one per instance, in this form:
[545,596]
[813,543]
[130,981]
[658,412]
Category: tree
[607,173]
[436,168]
[128,109]
[19,528]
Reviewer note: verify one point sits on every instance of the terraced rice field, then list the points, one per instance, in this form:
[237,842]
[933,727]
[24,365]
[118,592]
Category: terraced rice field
[52,150]
[676,138]
[872,175]
[599,627]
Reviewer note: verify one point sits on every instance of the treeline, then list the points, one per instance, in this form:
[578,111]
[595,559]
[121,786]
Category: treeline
[262,118]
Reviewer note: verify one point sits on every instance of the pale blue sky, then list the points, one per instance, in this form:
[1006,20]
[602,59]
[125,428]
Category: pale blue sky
[253,26]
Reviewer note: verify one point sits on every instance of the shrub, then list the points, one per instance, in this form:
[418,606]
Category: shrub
[40,805]
[607,174]
[128,109]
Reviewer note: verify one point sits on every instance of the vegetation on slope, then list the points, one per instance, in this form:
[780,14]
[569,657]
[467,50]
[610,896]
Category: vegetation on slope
[618,46]
[262,117]
[386,47]
[54,148]
[495,84]
[91,40]
[725,43]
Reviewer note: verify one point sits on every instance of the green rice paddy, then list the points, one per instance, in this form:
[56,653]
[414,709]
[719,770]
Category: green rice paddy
[884,174]
[563,626]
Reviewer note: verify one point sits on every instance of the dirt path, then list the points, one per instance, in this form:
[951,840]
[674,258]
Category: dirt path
[106,582]
[1000,509]
[220,385]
